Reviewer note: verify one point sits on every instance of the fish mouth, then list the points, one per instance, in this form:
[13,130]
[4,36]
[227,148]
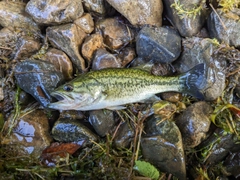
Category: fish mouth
[63,101]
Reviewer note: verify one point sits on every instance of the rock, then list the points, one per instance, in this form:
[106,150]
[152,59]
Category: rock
[162,147]
[194,123]
[103,59]
[102,121]
[69,130]
[221,144]
[97,7]
[230,34]
[25,47]
[140,12]
[38,78]
[115,34]
[61,62]
[196,51]
[30,134]
[124,135]
[51,12]
[232,165]
[161,45]
[68,38]
[126,55]
[85,23]
[186,25]
[90,45]
[12,14]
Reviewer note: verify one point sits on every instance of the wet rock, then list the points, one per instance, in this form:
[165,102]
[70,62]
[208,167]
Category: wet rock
[12,14]
[90,45]
[140,12]
[230,33]
[61,62]
[232,164]
[30,134]
[115,34]
[194,123]
[68,38]
[97,7]
[196,51]
[124,135]
[162,147]
[8,39]
[103,59]
[69,130]
[171,96]
[221,144]
[126,55]
[25,47]
[86,23]
[161,45]
[54,12]
[102,121]
[38,78]
[186,25]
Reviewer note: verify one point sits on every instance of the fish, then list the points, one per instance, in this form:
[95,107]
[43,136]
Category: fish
[115,87]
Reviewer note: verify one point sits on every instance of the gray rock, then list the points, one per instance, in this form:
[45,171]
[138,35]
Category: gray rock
[162,147]
[53,12]
[103,59]
[68,38]
[25,47]
[102,121]
[232,165]
[124,136]
[194,123]
[196,51]
[115,34]
[38,78]
[12,14]
[230,34]
[187,26]
[161,45]
[69,130]
[140,12]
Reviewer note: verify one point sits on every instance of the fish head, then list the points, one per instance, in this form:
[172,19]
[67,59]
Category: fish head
[74,96]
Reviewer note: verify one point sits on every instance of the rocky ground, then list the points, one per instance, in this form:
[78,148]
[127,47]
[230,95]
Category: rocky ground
[44,44]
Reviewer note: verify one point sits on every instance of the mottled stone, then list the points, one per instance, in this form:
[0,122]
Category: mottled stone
[69,130]
[86,23]
[30,134]
[232,165]
[194,123]
[186,25]
[140,12]
[229,33]
[68,38]
[124,135]
[162,147]
[126,55]
[52,12]
[196,51]
[97,7]
[90,45]
[25,47]
[103,59]
[115,33]
[38,78]
[102,121]
[161,45]
[61,62]
[12,14]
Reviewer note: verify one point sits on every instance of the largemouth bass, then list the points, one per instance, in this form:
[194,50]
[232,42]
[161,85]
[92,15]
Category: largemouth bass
[112,88]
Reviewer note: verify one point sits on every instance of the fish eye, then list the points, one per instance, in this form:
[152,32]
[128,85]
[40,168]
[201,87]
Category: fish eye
[68,87]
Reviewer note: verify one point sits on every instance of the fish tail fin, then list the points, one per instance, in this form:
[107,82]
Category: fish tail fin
[192,81]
